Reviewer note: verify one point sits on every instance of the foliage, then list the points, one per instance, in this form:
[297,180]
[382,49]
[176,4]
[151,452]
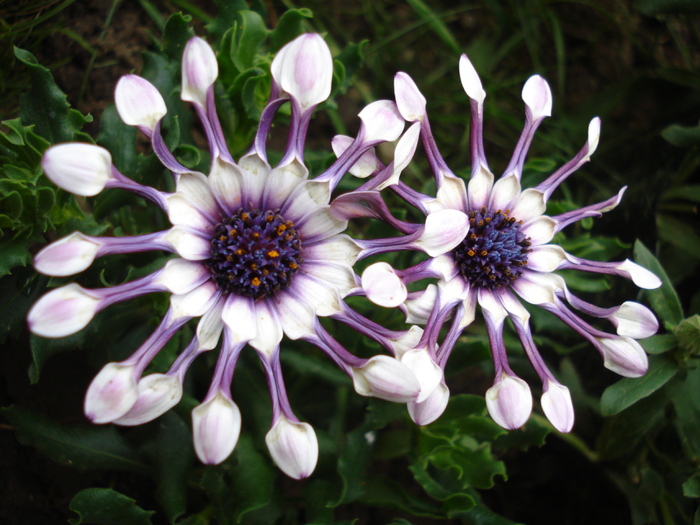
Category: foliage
[641,436]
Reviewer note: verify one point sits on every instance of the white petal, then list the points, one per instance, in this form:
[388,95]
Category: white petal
[338,275]
[306,196]
[403,154]
[634,320]
[504,193]
[293,447]
[138,102]
[540,229]
[320,224]
[195,188]
[368,162]
[429,374]
[444,230]
[269,328]
[304,69]
[239,316]
[67,256]
[408,340]
[557,406]
[199,71]
[298,319]
[545,258]
[470,80]
[111,394]
[623,356]
[157,393]
[255,170]
[381,121]
[210,327]
[386,378]
[216,426]
[489,303]
[410,101]
[509,402]
[432,408]
[323,299]
[639,275]
[281,181]
[453,193]
[382,286]
[226,182]
[181,212]
[181,276]
[194,303]
[63,311]
[538,97]
[82,169]
[419,307]
[514,307]
[537,288]
[529,205]
[593,135]
[339,248]
[188,245]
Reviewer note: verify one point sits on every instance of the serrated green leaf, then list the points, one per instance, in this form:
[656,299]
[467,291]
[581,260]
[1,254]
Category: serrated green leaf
[13,253]
[248,36]
[80,446]
[664,299]
[107,507]
[176,33]
[45,106]
[382,491]
[288,28]
[628,391]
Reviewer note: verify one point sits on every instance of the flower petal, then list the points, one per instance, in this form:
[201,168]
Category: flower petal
[216,425]
[432,408]
[386,378]
[382,286]
[199,71]
[82,169]
[557,406]
[67,256]
[509,402]
[157,393]
[138,102]
[63,311]
[111,394]
[293,447]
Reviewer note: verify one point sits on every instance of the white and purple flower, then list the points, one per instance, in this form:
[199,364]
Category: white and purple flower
[261,255]
[507,254]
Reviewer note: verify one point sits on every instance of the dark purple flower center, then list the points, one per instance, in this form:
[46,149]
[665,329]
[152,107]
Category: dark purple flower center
[494,251]
[254,253]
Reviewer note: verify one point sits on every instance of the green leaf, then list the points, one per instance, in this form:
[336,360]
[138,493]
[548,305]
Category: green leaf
[679,234]
[252,478]
[382,491]
[118,138]
[687,420]
[80,446]
[664,299]
[289,27]
[107,507]
[174,457]
[14,253]
[658,344]
[249,34]
[688,335]
[667,7]
[436,24]
[45,105]
[176,34]
[628,391]
[691,488]
[43,348]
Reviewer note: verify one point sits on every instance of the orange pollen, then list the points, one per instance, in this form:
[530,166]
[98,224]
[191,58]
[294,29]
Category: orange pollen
[255,282]
[273,253]
[471,253]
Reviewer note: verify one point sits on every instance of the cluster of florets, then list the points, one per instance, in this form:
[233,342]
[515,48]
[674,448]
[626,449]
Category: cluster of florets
[259,253]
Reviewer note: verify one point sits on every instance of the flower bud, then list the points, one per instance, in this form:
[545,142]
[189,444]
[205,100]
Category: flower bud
[509,401]
[82,169]
[199,71]
[639,275]
[429,374]
[538,97]
[432,408]
[381,121]
[67,256]
[383,286]
[63,311]
[216,425]
[557,406]
[138,102]
[623,356]
[293,447]
[368,162]
[304,69]
[157,393]
[111,394]
[409,99]
[634,320]
[470,80]
[386,378]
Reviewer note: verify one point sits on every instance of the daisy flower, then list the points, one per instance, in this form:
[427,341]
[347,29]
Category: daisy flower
[259,254]
[505,257]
